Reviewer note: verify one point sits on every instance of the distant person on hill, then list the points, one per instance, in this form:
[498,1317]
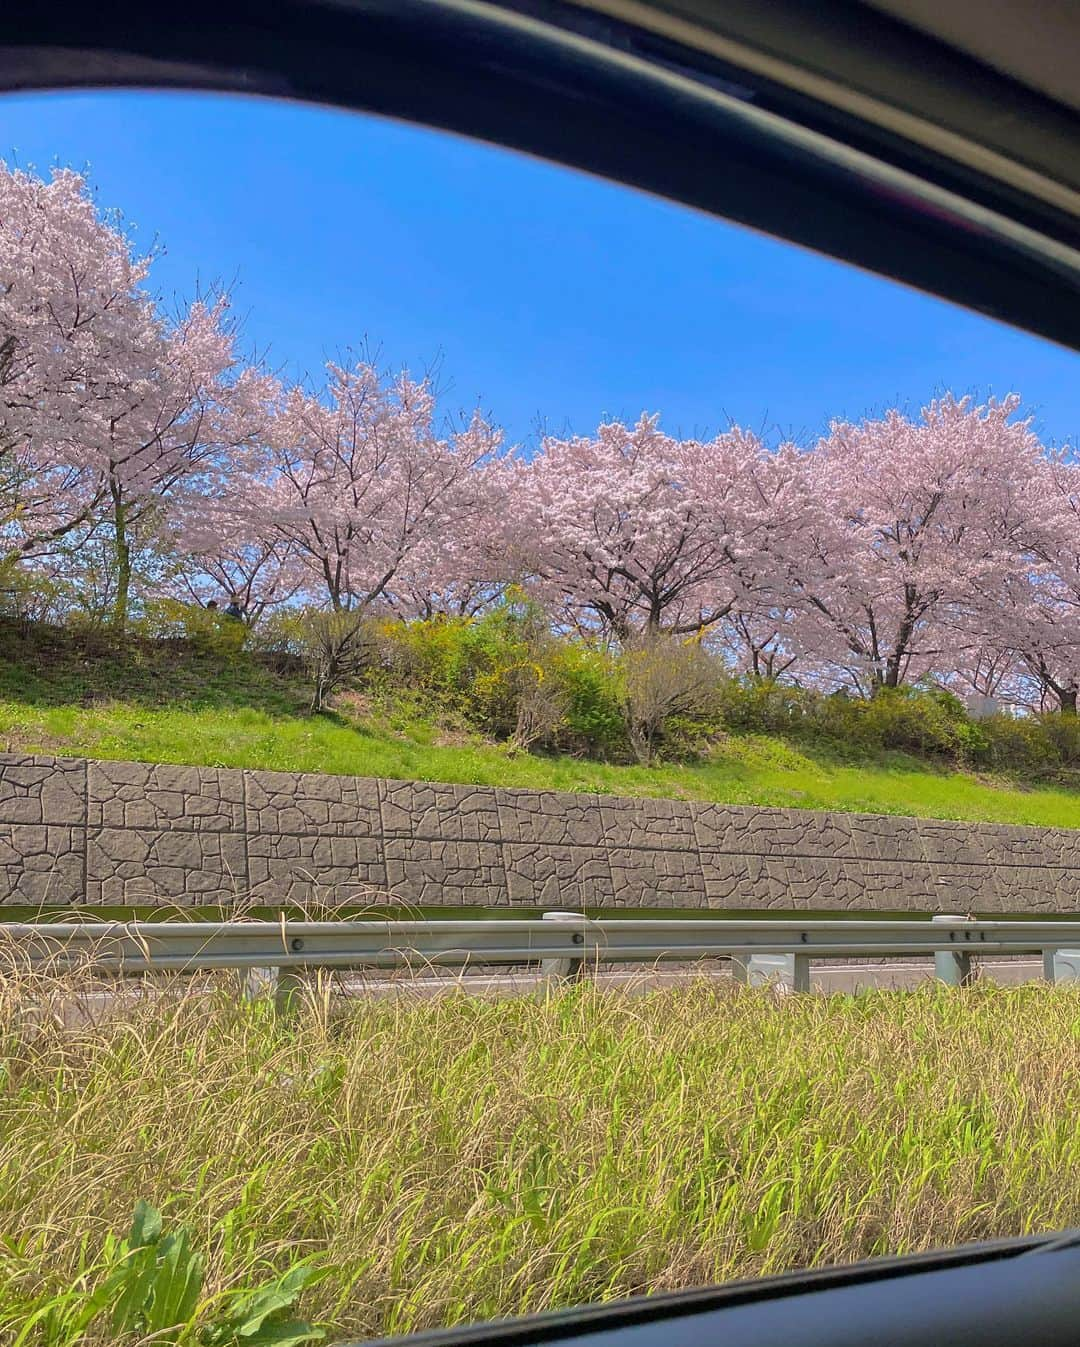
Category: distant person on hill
[234,609]
[211,605]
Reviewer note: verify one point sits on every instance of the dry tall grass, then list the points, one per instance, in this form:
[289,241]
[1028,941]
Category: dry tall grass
[456,1158]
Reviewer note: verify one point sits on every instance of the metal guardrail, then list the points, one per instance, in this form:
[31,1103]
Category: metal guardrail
[565,944]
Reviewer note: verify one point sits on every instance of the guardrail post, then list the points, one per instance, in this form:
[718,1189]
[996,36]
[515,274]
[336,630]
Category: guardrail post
[282,984]
[572,967]
[953,967]
[786,972]
[1061,965]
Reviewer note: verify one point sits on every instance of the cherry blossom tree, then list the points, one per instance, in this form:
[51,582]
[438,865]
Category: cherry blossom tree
[757,640]
[990,667]
[181,408]
[908,525]
[1035,613]
[257,573]
[460,570]
[631,532]
[361,485]
[70,293]
[111,411]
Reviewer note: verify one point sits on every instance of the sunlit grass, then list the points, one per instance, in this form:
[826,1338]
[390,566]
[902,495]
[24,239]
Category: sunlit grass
[743,770]
[456,1159]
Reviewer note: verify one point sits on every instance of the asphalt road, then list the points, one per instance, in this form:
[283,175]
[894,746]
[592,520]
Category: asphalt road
[94,1003]
[896,974]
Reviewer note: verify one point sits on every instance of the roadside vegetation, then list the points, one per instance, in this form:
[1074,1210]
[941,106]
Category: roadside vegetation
[416,1163]
[497,700]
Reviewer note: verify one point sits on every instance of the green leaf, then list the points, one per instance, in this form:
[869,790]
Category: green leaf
[130,1283]
[177,1283]
[288,1333]
[145,1225]
[253,1310]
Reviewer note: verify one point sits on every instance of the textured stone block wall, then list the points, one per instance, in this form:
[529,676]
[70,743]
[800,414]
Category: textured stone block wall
[120,833]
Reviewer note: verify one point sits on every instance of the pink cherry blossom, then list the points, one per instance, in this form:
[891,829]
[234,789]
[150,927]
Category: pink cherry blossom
[909,524]
[360,484]
[113,414]
[632,531]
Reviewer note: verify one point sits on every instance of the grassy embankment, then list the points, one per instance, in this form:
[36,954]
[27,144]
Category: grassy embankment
[174,704]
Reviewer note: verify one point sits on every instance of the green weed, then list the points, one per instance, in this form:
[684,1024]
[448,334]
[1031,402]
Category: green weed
[148,1288]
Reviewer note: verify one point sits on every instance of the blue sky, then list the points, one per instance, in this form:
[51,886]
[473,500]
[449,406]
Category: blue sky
[546,296]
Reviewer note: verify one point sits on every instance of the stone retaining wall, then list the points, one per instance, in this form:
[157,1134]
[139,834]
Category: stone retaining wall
[118,833]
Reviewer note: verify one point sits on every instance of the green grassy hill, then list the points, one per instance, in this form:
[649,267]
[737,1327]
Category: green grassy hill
[172,702]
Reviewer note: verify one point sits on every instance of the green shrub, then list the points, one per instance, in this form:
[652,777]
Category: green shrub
[205,628]
[508,677]
[667,692]
[430,655]
[278,640]
[502,663]
[29,597]
[1062,733]
[915,720]
[761,705]
[1015,744]
[593,724]
[926,722]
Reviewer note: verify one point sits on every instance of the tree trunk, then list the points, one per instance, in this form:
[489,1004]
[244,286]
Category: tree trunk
[123,562]
[893,665]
